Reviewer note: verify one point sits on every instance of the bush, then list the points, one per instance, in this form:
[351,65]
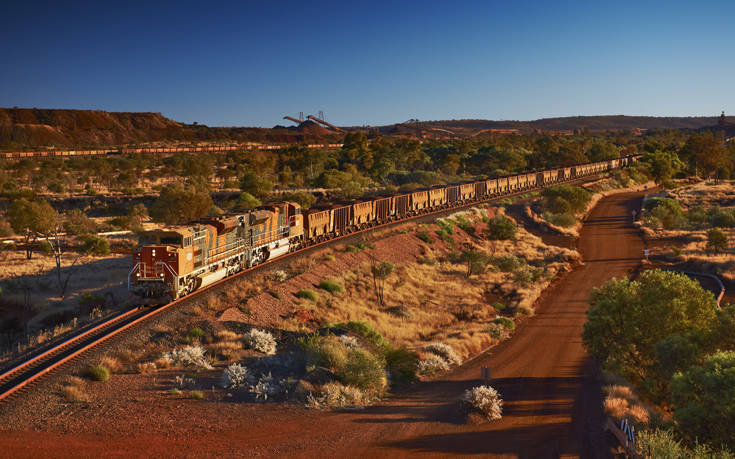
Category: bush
[486,400]
[98,373]
[716,240]
[565,220]
[505,322]
[336,395]
[95,245]
[432,365]
[235,376]
[363,370]
[308,294]
[189,356]
[562,199]
[444,351]
[424,236]
[667,211]
[497,331]
[196,395]
[303,198]
[363,329]
[402,364]
[330,286]
[196,332]
[660,443]
[261,341]
[501,228]
[508,263]
[324,351]
[704,399]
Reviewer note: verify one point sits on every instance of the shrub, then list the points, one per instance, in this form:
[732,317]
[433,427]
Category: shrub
[174,391]
[363,329]
[565,220]
[196,395]
[508,263]
[427,261]
[145,367]
[266,386]
[330,286]
[363,370]
[505,322]
[716,240]
[525,275]
[424,236]
[667,211]
[95,245]
[112,364]
[497,331]
[502,228]
[184,382]
[350,342]
[351,249]
[75,394]
[402,364]
[98,373]
[235,376]
[444,351]
[303,198]
[336,395]
[704,399]
[189,356]
[324,351]
[261,341]
[562,199]
[432,365]
[486,400]
[308,294]
[196,332]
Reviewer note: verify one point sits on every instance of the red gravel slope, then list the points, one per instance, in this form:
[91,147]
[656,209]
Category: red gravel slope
[552,398]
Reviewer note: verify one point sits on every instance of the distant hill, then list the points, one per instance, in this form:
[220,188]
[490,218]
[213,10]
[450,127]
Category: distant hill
[25,128]
[593,123]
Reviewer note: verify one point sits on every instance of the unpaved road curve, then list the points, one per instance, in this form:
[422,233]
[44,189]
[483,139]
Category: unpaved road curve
[552,398]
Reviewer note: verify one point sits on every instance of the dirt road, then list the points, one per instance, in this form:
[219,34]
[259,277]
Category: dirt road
[552,398]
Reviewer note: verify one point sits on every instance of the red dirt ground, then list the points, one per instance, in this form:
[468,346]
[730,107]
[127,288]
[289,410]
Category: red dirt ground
[552,395]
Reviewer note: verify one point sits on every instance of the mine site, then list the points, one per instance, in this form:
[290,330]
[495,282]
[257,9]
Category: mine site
[419,244]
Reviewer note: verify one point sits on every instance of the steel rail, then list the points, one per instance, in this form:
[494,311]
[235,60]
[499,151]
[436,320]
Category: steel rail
[116,319]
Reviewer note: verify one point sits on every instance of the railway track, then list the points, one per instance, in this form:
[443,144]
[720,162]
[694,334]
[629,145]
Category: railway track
[18,378]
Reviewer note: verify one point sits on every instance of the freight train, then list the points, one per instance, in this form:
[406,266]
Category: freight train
[176,261]
[64,154]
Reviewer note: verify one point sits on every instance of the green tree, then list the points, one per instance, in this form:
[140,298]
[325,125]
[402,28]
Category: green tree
[302,198]
[256,185]
[179,204]
[502,228]
[247,201]
[662,165]
[627,319]
[476,261]
[565,198]
[716,240]
[706,154]
[31,219]
[704,400]
[95,245]
[77,223]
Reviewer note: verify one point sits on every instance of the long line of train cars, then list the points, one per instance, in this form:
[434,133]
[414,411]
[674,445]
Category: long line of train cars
[175,261]
[63,154]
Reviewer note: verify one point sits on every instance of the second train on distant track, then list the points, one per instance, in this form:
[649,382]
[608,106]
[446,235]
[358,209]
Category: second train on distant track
[175,261]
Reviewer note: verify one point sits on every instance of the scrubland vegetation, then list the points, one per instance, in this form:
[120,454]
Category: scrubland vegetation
[667,336]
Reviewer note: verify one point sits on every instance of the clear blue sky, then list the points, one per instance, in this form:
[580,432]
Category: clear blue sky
[250,63]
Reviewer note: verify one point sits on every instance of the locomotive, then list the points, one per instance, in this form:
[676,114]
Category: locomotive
[175,261]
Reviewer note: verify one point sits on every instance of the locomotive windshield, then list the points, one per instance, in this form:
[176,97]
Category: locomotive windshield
[171,240]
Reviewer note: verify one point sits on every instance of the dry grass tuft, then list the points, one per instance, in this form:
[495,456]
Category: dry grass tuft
[112,363]
[74,390]
[145,367]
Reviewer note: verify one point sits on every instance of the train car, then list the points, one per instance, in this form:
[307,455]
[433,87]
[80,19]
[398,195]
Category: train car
[480,189]
[383,208]
[491,185]
[512,182]
[503,187]
[453,195]
[361,213]
[467,191]
[437,197]
[317,223]
[341,221]
[402,206]
[419,201]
